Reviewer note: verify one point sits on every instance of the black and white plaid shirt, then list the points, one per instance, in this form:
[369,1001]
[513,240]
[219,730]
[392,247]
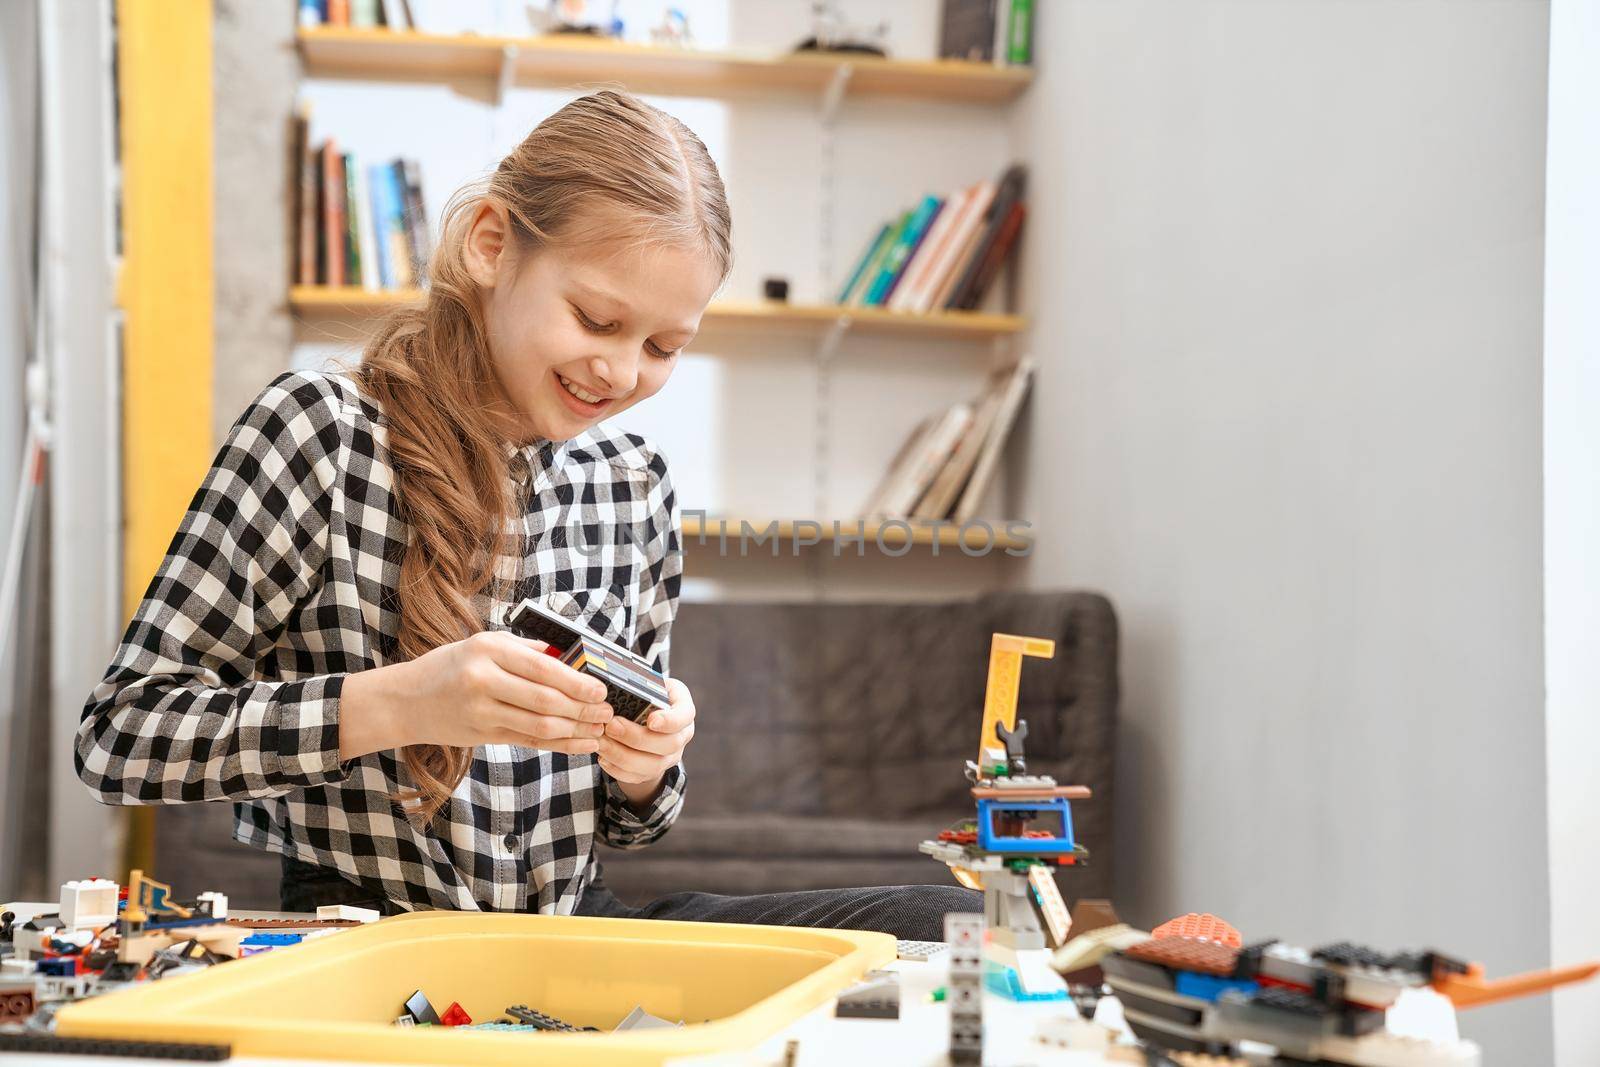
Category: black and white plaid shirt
[281,581]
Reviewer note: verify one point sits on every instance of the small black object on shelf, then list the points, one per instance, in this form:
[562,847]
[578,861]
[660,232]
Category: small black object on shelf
[776,288]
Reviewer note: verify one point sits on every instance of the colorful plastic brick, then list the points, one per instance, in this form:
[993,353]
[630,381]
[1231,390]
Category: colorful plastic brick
[1201,925]
[455,1015]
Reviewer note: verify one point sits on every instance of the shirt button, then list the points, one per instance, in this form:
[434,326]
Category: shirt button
[512,842]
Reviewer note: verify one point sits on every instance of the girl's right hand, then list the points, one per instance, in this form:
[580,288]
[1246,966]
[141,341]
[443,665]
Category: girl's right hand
[490,688]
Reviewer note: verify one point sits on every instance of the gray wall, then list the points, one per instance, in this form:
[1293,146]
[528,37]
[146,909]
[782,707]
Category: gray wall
[1288,418]
[256,69]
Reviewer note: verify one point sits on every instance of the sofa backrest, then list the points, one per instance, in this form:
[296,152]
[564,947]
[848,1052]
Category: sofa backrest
[870,710]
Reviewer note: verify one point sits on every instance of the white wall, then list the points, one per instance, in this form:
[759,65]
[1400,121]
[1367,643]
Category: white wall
[1572,509]
[1287,261]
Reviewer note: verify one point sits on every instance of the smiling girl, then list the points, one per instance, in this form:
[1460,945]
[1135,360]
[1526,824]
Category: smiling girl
[321,644]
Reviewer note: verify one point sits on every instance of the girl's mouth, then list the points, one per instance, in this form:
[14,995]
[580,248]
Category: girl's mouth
[580,400]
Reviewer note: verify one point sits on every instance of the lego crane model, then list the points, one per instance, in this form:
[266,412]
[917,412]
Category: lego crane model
[1023,826]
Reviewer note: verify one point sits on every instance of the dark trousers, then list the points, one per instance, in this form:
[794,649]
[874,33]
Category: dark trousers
[914,912]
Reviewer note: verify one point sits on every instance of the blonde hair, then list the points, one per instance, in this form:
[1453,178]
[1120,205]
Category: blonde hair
[606,168]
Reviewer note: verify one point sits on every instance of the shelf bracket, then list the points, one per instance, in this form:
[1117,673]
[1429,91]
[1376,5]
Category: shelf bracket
[833,92]
[508,72]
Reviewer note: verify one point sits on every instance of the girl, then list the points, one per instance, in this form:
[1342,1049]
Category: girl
[321,644]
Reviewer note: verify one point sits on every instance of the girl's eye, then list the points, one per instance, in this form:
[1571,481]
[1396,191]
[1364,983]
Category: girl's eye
[589,324]
[594,327]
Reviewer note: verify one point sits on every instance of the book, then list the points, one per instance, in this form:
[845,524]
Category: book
[1009,190]
[309,14]
[352,221]
[417,232]
[947,484]
[912,280]
[925,462]
[896,257]
[338,12]
[873,248]
[897,467]
[333,228]
[394,16]
[957,244]
[962,244]
[378,193]
[967,30]
[912,249]
[395,231]
[870,277]
[1019,34]
[1005,415]
[366,232]
[997,254]
[364,14]
[306,167]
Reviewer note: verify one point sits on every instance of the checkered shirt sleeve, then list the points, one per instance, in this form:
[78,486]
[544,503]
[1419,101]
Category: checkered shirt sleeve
[180,715]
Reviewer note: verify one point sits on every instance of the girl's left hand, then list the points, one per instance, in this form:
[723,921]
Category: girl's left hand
[638,755]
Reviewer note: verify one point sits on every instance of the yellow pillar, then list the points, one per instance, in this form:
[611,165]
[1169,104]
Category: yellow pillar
[164,57]
[1005,674]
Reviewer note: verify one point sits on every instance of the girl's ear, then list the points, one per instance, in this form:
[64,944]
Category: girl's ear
[487,238]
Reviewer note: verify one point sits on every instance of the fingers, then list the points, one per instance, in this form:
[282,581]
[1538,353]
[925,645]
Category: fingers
[670,720]
[539,730]
[526,659]
[642,739]
[518,692]
[627,766]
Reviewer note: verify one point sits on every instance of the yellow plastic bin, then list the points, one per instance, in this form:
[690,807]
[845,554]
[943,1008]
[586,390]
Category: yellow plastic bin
[338,997]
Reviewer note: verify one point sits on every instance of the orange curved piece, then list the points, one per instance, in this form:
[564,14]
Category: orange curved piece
[1473,990]
[1204,926]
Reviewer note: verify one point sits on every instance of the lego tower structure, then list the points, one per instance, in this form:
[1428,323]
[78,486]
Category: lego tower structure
[1022,829]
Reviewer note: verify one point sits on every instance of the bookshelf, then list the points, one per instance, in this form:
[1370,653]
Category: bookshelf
[330,51]
[728,316]
[575,62]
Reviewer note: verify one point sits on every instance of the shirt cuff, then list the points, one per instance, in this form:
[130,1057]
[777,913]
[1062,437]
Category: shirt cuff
[628,828]
[300,734]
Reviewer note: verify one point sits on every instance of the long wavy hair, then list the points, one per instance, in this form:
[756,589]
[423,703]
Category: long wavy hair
[606,167]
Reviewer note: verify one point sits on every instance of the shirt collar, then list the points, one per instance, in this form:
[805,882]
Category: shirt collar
[540,456]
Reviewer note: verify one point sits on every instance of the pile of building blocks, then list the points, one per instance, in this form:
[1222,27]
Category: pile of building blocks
[419,1011]
[1193,987]
[1023,830]
[103,937]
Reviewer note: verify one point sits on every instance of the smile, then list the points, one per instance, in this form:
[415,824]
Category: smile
[578,391]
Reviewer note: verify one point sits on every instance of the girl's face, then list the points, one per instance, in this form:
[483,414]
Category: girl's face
[578,335]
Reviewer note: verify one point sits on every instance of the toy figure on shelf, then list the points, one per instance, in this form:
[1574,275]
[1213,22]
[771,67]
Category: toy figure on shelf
[1194,987]
[1023,827]
[673,30]
[832,32]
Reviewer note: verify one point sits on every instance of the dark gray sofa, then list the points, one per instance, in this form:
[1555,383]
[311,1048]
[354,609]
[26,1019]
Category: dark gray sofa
[830,740]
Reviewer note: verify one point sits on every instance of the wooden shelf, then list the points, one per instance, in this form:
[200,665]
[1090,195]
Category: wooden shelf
[730,316]
[892,534]
[580,61]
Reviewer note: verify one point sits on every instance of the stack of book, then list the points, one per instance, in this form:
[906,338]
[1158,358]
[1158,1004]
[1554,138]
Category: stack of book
[943,254]
[363,14]
[987,31]
[354,224]
[947,464]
